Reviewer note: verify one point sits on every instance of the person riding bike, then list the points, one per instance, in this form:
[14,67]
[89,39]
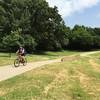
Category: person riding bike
[21,53]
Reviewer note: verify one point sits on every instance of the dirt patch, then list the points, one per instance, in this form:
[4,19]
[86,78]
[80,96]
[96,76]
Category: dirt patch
[84,79]
[97,86]
[70,58]
[95,66]
[88,85]
[60,77]
[2,93]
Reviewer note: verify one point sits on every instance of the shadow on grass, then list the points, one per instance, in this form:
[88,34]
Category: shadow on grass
[54,53]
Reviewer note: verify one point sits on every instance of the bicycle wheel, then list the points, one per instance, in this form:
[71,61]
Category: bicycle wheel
[25,62]
[16,63]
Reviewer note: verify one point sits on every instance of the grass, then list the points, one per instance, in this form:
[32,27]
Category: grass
[74,80]
[96,57]
[6,60]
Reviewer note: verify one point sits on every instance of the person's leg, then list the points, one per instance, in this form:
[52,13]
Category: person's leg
[20,58]
[23,59]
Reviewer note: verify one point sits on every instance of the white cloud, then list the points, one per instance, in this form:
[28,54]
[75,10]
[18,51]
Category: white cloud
[68,7]
[64,6]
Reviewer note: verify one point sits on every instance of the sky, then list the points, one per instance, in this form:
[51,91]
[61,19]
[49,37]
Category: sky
[81,12]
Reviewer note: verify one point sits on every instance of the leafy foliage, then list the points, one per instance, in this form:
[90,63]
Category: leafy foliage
[42,28]
[80,38]
[36,20]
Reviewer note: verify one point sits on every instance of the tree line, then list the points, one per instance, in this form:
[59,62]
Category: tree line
[36,26]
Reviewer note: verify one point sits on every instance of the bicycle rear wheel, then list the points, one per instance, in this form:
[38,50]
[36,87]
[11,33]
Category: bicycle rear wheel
[16,63]
[25,62]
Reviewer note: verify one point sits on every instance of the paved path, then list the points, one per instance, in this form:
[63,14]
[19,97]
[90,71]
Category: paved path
[88,53]
[10,71]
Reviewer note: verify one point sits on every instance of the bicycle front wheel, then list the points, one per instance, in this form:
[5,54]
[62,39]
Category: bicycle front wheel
[16,63]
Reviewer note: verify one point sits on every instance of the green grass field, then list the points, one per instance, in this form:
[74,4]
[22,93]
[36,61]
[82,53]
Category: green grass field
[6,60]
[78,79]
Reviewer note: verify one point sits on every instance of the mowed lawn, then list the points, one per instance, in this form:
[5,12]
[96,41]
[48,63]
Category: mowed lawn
[5,59]
[74,79]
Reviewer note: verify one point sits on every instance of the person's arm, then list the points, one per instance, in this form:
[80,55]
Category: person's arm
[17,51]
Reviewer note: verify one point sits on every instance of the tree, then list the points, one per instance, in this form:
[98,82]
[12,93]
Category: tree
[35,18]
[80,38]
[29,43]
[42,27]
[97,31]
[96,42]
[12,41]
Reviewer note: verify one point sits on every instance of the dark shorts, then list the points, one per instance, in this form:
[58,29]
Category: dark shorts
[23,54]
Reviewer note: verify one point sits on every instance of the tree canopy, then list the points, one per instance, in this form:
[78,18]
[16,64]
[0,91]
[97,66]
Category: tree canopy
[41,28]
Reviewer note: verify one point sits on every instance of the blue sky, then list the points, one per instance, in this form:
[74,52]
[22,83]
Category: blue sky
[89,17]
[82,12]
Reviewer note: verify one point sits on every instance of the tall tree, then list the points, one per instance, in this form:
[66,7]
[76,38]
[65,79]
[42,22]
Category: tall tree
[80,38]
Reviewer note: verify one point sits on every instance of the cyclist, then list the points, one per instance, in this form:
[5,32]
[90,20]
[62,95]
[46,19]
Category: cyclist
[21,53]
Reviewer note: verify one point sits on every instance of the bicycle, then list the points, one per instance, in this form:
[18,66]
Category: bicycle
[18,61]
